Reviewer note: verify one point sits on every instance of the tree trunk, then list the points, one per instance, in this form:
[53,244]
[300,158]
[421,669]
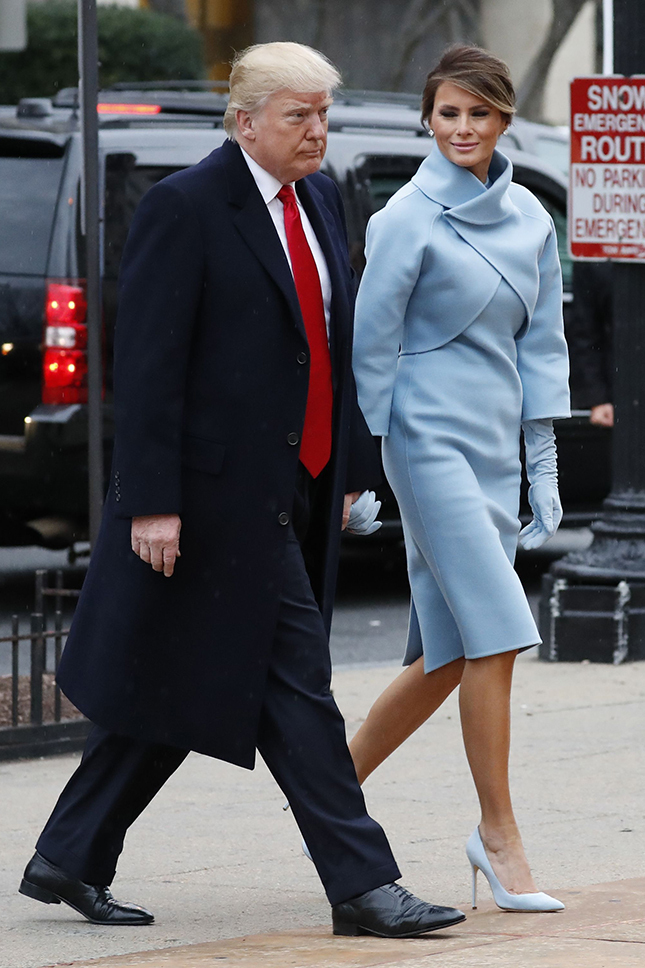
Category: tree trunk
[389,45]
[531,90]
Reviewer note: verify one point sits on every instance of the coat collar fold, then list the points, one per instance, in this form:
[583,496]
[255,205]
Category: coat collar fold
[462,193]
[486,218]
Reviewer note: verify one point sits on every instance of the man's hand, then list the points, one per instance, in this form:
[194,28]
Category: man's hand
[349,500]
[155,538]
[602,415]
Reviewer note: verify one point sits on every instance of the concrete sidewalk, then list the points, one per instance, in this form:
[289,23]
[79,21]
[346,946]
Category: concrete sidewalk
[603,926]
[220,864]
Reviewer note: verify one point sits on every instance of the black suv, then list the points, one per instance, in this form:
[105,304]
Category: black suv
[376,143]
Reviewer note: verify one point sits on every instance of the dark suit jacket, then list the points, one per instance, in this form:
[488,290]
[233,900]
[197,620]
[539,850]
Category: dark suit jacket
[211,374]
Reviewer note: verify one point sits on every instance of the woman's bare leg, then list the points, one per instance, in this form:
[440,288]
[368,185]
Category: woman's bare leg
[399,711]
[484,702]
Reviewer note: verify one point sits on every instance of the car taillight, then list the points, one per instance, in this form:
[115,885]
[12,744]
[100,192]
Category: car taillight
[65,356]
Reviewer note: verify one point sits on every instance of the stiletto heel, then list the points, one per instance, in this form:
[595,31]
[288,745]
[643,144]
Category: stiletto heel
[535,901]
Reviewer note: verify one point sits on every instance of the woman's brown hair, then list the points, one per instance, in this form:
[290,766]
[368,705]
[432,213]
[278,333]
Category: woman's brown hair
[476,71]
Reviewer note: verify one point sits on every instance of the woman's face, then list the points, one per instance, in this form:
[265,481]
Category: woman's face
[466,128]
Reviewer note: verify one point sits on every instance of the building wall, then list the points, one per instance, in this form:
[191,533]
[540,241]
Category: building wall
[576,58]
[226,26]
[515,29]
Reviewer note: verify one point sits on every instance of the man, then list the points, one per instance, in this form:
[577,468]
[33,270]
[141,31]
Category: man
[236,425]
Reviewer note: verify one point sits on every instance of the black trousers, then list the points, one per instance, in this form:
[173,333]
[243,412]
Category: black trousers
[301,739]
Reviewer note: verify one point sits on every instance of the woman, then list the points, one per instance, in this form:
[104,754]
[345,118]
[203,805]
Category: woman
[459,343]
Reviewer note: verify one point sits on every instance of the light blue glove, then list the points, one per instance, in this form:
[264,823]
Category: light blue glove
[542,472]
[362,516]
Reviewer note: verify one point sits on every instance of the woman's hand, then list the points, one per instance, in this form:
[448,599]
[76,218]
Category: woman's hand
[363,514]
[542,472]
[547,514]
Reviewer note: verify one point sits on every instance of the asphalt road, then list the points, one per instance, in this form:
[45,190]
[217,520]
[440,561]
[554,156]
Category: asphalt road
[371,612]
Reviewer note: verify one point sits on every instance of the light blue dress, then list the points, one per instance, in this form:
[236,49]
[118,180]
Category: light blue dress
[459,338]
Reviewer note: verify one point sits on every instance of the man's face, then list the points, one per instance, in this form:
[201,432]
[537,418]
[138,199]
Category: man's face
[288,136]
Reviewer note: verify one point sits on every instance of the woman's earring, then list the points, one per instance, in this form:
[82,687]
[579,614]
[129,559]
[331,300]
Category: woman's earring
[431,132]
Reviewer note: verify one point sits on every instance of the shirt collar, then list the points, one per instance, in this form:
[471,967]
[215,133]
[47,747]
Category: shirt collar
[268,184]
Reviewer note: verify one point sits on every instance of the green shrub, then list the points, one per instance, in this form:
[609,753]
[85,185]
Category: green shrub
[134,45]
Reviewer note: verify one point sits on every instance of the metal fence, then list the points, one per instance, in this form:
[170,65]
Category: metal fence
[36,717]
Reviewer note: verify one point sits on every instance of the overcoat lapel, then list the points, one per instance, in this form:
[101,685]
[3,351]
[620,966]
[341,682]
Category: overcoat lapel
[255,225]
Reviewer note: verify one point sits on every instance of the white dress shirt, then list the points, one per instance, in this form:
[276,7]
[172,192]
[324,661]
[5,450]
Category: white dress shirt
[269,187]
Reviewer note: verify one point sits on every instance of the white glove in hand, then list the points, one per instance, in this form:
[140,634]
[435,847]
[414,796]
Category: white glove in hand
[362,516]
[542,472]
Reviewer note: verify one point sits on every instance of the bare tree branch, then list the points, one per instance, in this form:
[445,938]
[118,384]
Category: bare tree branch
[386,45]
[421,17]
[411,36]
[531,90]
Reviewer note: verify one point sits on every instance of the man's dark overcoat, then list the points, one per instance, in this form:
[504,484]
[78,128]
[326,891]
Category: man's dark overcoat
[211,375]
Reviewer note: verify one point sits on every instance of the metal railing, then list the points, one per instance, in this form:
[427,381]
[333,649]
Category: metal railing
[37,718]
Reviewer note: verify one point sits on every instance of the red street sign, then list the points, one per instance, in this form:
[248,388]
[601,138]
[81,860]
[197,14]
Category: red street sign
[607,174]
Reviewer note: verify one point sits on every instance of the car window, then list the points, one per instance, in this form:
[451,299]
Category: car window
[125,185]
[514,142]
[382,187]
[555,151]
[383,175]
[371,182]
[30,176]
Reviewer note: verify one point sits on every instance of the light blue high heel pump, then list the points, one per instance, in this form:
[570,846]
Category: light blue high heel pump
[306,850]
[536,901]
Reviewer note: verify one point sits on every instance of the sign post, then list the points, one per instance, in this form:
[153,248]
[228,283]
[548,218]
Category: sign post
[593,602]
[88,65]
[13,25]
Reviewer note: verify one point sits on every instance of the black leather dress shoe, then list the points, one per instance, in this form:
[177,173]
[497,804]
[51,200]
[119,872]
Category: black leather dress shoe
[391,912]
[47,883]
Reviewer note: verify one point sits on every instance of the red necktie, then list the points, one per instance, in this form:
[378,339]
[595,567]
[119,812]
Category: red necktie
[315,447]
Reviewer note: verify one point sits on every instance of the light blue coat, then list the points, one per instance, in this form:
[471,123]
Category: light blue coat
[459,338]
[434,254]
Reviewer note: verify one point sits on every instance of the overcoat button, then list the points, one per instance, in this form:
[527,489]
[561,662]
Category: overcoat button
[283,518]
[118,497]
[301,357]
[293,439]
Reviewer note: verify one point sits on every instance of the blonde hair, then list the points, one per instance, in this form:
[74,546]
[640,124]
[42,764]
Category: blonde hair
[264,69]
[476,71]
